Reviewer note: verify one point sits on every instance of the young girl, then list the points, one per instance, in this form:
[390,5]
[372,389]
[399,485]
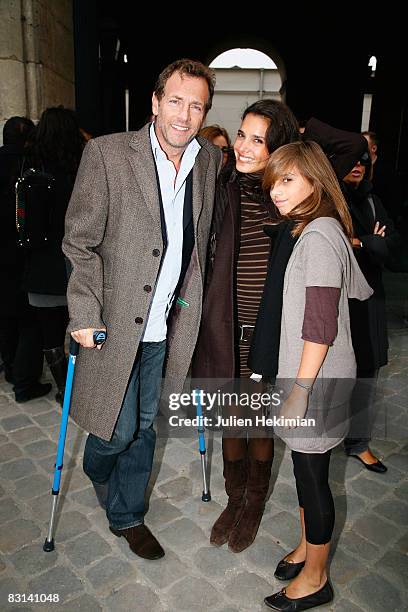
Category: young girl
[315,347]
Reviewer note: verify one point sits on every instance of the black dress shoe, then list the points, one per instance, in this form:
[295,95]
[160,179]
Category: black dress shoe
[285,570]
[37,390]
[141,541]
[280,601]
[378,466]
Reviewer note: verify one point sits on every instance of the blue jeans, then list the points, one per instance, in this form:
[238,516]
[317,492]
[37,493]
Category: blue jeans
[125,462]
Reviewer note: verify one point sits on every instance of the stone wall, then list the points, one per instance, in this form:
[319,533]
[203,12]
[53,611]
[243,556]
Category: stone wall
[36,57]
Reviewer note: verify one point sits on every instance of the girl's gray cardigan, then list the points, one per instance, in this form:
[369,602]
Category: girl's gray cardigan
[322,257]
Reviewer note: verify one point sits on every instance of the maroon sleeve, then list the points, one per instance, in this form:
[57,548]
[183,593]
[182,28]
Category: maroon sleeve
[321,312]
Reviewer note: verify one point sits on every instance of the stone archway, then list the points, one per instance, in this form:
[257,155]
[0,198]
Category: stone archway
[244,75]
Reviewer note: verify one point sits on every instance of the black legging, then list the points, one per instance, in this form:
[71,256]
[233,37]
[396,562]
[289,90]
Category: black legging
[312,484]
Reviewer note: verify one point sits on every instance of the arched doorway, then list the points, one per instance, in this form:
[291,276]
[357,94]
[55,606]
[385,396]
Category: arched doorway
[243,76]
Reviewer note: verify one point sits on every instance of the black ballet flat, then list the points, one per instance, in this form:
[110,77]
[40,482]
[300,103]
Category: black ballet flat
[378,466]
[285,570]
[281,602]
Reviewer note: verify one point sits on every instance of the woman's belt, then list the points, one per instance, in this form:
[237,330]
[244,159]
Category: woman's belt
[245,333]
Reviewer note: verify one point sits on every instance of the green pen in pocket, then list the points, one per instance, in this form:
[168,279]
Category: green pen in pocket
[182,303]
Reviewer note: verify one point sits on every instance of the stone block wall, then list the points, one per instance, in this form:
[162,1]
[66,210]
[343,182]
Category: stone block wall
[36,57]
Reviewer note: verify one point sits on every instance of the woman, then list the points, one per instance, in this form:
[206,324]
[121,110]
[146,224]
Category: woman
[315,348]
[56,150]
[375,242]
[19,337]
[218,136]
[236,275]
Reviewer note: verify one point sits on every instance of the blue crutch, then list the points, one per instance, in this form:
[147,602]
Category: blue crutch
[99,338]
[206,496]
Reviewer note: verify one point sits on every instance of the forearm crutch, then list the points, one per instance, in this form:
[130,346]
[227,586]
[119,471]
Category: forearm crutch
[99,338]
[206,496]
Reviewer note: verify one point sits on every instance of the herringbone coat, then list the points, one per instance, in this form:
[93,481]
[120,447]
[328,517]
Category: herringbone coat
[113,239]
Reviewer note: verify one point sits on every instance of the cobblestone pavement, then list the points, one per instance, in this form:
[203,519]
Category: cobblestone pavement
[92,570]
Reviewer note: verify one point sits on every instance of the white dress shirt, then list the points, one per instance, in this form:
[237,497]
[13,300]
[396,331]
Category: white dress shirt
[172,187]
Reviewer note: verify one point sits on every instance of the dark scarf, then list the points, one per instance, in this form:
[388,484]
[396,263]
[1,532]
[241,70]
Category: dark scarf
[251,186]
[264,352]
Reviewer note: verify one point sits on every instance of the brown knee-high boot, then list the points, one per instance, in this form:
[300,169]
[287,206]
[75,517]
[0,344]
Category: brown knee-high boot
[235,474]
[243,534]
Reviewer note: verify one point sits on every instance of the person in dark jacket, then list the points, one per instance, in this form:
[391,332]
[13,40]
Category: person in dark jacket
[375,242]
[20,342]
[239,255]
[56,149]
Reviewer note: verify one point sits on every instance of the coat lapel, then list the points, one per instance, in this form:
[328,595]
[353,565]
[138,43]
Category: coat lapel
[141,160]
[199,179]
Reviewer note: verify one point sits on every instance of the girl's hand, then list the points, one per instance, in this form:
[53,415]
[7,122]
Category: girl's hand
[295,406]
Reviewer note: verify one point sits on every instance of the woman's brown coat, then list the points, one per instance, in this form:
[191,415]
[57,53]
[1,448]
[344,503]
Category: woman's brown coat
[215,353]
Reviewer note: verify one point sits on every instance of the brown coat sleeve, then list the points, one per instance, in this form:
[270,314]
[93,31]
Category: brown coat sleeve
[85,224]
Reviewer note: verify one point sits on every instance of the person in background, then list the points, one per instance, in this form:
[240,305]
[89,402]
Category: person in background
[375,242]
[85,134]
[56,149]
[137,229]
[372,140]
[20,341]
[218,136]
[384,178]
[320,276]
[239,253]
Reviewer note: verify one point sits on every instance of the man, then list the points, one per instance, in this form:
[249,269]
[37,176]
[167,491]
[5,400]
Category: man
[371,138]
[136,234]
[20,339]
[385,179]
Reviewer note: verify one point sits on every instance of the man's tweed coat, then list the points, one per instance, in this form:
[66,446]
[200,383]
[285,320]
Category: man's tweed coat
[113,240]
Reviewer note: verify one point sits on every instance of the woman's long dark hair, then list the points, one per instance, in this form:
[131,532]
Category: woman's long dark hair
[282,129]
[57,140]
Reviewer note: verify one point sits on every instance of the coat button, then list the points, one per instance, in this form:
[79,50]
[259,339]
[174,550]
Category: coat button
[155,252]
[147,288]
[139,320]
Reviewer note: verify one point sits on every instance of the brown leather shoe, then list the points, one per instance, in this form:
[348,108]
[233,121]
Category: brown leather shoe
[141,541]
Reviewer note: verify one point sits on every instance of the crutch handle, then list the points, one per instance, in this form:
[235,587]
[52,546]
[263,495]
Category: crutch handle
[99,337]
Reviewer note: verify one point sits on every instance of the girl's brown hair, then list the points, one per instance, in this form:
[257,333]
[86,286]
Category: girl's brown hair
[326,200]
